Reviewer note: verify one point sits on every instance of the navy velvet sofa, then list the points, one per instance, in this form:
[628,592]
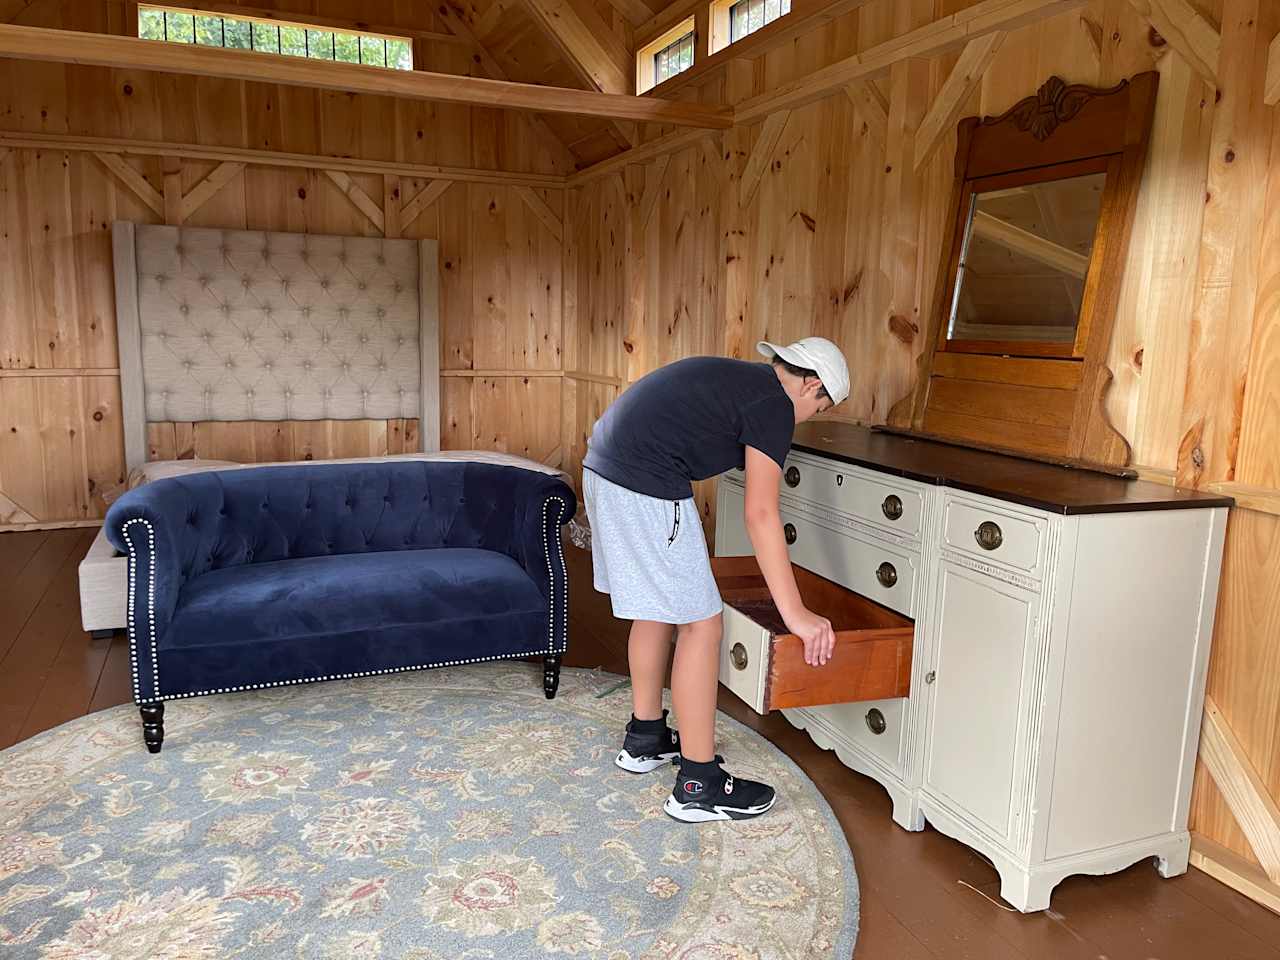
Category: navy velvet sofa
[254,578]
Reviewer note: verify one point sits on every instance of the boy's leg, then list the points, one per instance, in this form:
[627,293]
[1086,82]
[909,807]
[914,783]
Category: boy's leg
[648,652]
[695,678]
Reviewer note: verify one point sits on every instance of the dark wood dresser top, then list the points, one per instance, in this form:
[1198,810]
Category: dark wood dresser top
[1034,484]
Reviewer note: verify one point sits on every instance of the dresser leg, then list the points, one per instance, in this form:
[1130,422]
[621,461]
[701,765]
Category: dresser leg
[1174,861]
[906,811]
[152,726]
[1025,890]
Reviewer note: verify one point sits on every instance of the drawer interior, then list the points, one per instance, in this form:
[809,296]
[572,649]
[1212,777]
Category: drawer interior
[872,655]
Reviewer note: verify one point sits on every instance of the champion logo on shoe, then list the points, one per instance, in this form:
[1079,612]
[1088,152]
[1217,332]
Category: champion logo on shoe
[728,786]
[693,786]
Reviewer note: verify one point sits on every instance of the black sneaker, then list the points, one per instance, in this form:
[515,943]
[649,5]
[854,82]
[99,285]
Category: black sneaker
[704,792]
[649,744]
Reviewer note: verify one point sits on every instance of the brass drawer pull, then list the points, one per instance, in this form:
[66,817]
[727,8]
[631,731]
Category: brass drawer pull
[792,476]
[988,535]
[789,532]
[892,506]
[887,574]
[876,722]
[738,654]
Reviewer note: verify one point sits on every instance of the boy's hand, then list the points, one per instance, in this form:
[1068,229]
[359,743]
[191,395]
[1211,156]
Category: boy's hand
[816,632]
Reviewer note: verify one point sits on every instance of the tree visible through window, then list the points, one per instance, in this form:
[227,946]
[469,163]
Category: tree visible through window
[674,58]
[748,16]
[278,37]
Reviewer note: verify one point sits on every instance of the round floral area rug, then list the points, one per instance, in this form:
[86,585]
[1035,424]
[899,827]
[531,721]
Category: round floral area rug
[436,815]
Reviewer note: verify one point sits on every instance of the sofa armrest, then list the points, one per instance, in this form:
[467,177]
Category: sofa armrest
[144,525]
[543,506]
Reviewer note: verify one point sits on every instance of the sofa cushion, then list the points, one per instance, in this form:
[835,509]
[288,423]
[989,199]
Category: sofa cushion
[353,614]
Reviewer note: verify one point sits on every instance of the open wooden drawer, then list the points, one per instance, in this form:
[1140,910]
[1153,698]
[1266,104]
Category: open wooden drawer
[764,664]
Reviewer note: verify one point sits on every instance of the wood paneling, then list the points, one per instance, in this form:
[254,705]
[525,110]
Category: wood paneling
[660,257]
[501,258]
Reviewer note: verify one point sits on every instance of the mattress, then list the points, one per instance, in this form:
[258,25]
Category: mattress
[104,572]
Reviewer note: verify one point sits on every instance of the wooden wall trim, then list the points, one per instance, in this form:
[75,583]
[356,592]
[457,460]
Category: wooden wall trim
[133,406]
[483,374]
[115,147]
[429,343]
[59,371]
[103,50]
[1246,795]
[951,99]
[1228,867]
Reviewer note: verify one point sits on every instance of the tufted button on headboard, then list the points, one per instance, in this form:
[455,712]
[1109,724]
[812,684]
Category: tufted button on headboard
[246,325]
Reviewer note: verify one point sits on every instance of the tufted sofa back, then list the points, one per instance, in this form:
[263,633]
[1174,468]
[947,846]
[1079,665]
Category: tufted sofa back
[207,521]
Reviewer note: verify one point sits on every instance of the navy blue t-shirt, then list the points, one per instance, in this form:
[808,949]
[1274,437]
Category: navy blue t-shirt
[691,420]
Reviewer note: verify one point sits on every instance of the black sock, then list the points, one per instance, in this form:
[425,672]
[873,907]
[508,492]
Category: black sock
[701,771]
[649,726]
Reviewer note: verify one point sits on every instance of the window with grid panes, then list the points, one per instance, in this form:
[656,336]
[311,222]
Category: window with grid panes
[273,36]
[748,16]
[674,58]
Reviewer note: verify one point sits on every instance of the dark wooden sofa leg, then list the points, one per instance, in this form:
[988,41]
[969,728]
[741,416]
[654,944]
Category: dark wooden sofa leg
[550,675]
[102,634]
[153,726]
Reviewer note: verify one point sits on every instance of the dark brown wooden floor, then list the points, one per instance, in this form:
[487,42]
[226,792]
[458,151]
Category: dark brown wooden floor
[914,906]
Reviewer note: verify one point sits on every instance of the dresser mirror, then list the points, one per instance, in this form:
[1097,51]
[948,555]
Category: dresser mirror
[1024,259]
[1042,204]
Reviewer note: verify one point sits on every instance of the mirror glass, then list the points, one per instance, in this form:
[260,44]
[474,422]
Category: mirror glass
[1023,261]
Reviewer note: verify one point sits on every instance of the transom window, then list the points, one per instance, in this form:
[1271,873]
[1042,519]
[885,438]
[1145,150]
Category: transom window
[748,16]
[674,58]
[280,37]
[665,55]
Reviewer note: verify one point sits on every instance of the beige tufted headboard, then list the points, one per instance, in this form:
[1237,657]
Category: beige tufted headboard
[250,325]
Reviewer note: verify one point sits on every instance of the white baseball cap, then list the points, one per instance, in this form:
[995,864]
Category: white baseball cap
[818,354]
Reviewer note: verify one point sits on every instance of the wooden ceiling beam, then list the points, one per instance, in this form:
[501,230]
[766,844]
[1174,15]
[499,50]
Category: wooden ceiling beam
[668,143]
[946,33]
[457,23]
[101,50]
[594,52]
[635,12]
[1191,35]
[112,147]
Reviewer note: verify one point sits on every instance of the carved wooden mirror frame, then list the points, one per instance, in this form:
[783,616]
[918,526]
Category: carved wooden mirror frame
[1036,398]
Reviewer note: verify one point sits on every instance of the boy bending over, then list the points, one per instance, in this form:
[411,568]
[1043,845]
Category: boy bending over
[691,420]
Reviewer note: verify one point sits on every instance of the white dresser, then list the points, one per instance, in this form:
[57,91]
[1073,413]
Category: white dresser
[1062,629]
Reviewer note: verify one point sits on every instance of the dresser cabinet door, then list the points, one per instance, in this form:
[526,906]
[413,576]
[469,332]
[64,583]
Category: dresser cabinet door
[984,631]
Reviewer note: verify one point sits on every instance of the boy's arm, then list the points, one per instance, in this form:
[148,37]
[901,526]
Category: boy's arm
[764,527]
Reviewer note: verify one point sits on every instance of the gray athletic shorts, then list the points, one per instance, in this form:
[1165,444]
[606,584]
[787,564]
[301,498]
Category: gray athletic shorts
[649,555]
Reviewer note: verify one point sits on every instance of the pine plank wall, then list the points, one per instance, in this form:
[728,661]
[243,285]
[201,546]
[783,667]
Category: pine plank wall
[556,297]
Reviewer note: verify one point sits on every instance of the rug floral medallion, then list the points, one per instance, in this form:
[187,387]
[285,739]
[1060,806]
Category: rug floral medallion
[437,815]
